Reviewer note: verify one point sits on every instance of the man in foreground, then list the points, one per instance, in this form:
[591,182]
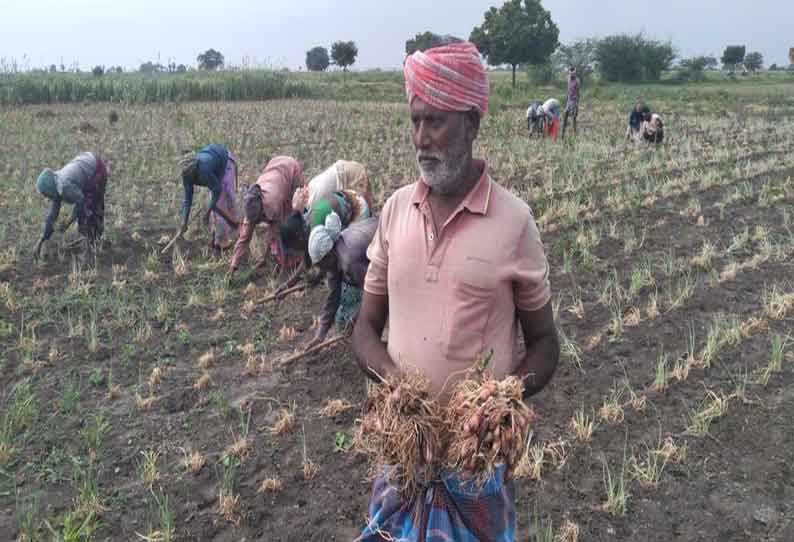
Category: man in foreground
[456,266]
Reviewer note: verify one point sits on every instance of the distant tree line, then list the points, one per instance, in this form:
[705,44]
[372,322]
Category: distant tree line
[343,54]
[523,33]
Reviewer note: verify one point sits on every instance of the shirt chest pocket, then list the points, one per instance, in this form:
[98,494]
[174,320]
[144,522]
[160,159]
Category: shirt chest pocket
[472,295]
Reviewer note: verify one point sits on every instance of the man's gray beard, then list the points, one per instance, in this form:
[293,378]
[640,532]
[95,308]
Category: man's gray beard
[448,172]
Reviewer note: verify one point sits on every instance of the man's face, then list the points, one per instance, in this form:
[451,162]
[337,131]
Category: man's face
[638,107]
[443,141]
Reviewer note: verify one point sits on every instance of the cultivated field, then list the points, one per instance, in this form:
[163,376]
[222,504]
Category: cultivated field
[144,398]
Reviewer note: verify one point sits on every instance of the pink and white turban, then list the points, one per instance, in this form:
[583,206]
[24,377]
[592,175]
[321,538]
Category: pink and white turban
[450,77]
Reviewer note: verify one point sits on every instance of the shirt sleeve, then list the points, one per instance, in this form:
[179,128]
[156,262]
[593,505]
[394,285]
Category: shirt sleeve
[243,240]
[531,288]
[376,281]
[187,202]
[331,305]
[52,216]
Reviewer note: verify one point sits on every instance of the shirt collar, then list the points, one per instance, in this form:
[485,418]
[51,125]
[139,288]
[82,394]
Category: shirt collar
[476,201]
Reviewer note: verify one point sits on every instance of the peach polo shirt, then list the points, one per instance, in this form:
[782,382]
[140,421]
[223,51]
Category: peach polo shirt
[453,294]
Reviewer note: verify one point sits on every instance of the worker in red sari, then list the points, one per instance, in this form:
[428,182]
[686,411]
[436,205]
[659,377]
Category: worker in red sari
[457,267]
[267,204]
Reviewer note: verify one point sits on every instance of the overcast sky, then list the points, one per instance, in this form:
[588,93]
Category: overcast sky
[279,32]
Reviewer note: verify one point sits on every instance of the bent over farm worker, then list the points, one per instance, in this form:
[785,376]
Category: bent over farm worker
[342,175]
[637,117]
[653,129]
[82,183]
[535,118]
[343,188]
[269,202]
[341,254]
[457,266]
[215,168]
[551,109]
[348,205]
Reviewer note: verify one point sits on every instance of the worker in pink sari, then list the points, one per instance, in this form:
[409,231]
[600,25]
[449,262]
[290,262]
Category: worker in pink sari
[268,203]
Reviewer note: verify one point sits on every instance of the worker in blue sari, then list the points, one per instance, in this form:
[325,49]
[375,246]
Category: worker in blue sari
[215,168]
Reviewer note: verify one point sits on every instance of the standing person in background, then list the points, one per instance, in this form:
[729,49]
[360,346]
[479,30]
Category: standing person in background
[551,109]
[269,202]
[213,167]
[457,267]
[572,102]
[82,183]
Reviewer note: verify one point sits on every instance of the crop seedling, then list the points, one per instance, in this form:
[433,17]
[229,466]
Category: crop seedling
[74,528]
[569,532]
[70,395]
[270,485]
[617,495]
[144,404]
[148,468]
[532,461]
[165,519]
[712,407]
[648,469]
[342,442]
[94,432]
[242,445]
[203,382]
[27,515]
[286,421]
[542,529]
[220,403]
[569,349]
[96,378]
[310,468]
[113,390]
[611,411]
[85,477]
[228,499]
[193,462]
[662,374]
[779,346]
[207,359]
[582,425]
[335,407]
